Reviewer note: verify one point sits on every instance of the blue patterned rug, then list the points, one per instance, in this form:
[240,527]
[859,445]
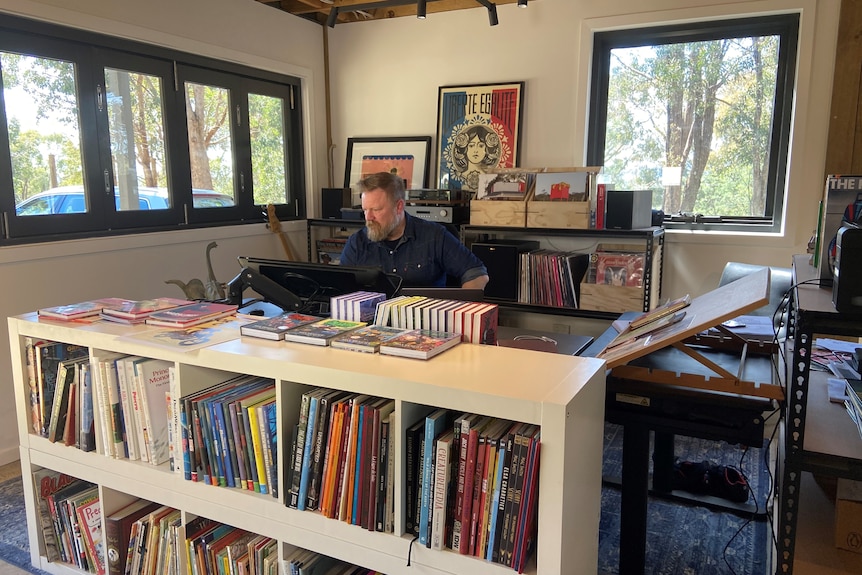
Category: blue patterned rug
[688,539]
[14,547]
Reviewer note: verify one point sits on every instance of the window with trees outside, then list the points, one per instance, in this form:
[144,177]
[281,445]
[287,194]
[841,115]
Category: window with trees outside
[100,135]
[700,115]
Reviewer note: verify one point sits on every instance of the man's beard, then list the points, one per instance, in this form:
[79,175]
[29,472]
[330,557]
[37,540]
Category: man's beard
[377,232]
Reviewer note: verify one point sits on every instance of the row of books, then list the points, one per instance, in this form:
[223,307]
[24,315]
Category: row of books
[70,514]
[305,562]
[475,321]
[228,436]
[356,306]
[162,312]
[551,277]
[472,485]
[342,459]
[352,335]
[59,416]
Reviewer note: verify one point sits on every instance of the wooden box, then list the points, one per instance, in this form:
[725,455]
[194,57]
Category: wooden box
[559,215]
[507,213]
[602,297]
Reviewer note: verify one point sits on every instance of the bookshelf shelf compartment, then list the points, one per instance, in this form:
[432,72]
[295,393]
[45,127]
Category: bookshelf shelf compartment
[565,398]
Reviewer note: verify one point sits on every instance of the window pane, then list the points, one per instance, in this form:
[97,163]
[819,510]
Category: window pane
[137,134]
[268,166]
[44,133]
[210,138]
[692,121]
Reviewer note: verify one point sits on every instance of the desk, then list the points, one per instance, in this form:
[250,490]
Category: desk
[668,410]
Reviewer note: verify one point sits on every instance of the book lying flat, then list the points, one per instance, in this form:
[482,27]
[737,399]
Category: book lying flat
[189,315]
[81,309]
[275,327]
[138,311]
[366,339]
[661,311]
[321,332]
[420,343]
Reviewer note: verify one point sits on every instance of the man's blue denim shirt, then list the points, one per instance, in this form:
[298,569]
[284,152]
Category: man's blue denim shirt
[423,256]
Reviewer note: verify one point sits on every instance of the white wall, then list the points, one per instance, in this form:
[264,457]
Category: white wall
[385,75]
[136,266]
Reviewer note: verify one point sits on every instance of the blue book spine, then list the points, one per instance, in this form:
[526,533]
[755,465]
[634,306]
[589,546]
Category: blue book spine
[215,441]
[498,479]
[354,513]
[433,428]
[306,453]
[221,428]
[184,430]
[272,426]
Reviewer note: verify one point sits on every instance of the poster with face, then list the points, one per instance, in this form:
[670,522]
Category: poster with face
[478,130]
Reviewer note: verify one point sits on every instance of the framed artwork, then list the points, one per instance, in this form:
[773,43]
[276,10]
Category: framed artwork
[478,130]
[409,157]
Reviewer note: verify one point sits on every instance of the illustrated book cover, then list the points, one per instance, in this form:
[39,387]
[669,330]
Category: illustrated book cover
[80,310]
[321,332]
[138,311]
[275,327]
[420,343]
[190,315]
[366,339]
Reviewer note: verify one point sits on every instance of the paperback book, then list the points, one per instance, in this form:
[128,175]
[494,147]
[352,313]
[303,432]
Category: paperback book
[321,332]
[138,311]
[80,310]
[366,339]
[420,343]
[190,315]
[275,327]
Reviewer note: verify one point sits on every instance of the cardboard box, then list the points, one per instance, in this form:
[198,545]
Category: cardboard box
[848,516]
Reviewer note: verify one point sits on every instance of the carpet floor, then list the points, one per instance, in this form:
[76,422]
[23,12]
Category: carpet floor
[676,541]
[685,539]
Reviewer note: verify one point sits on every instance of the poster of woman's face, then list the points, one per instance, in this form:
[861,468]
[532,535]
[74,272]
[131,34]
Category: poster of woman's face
[478,130]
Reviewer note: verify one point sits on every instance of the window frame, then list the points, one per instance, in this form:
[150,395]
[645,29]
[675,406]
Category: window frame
[787,27]
[92,53]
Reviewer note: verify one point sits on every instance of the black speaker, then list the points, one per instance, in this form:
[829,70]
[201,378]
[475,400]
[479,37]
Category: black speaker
[331,202]
[501,257]
[847,281]
[628,209]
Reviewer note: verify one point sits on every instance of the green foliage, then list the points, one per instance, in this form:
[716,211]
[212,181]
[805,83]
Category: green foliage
[269,170]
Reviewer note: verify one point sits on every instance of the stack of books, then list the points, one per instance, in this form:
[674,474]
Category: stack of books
[84,310]
[132,312]
[190,315]
[854,402]
[476,322]
[356,306]
[275,327]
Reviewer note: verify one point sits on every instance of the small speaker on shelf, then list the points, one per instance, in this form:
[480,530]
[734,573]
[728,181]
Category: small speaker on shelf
[847,281]
[628,209]
[331,202]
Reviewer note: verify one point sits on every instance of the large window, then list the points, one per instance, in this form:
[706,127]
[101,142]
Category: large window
[100,136]
[699,114]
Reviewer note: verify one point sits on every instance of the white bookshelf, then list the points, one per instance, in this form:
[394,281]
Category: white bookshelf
[563,394]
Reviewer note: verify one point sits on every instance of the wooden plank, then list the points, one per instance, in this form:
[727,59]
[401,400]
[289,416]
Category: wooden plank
[843,151]
[727,385]
[705,311]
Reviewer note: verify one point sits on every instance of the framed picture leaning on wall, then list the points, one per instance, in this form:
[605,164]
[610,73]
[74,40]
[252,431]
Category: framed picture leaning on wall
[407,156]
[478,130]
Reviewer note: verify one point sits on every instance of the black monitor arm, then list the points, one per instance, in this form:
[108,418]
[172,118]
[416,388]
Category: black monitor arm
[270,290]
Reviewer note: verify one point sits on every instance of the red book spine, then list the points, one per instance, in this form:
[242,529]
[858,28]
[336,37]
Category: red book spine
[469,473]
[601,191]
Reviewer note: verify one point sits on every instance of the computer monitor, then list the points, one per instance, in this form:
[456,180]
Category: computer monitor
[315,283]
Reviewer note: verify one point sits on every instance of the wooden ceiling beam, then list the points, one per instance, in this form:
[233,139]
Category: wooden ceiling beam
[319,9]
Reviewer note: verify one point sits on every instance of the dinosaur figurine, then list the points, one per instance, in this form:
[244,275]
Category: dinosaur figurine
[196,289]
[214,289]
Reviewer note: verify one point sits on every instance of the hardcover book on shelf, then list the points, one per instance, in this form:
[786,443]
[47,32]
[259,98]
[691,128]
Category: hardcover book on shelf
[66,372]
[80,310]
[435,423]
[420,343]
[118,528]
[137,311]
[48,355]
[321,332]
[366,339]
[190,315]
[275,327]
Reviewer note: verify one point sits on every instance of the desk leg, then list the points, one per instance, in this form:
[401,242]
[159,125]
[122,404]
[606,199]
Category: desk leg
[663,456]
[633,499]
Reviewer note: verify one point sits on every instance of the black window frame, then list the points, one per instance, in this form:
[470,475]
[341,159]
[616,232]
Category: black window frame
[92,53]
[786,27]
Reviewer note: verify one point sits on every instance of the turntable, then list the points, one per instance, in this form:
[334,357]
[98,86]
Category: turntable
[442,206]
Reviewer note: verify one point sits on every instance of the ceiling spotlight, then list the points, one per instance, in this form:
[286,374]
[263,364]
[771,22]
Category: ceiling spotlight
[333,17]
[420,9]
[522,3]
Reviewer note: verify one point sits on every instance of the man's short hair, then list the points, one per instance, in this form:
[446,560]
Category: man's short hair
[390,183]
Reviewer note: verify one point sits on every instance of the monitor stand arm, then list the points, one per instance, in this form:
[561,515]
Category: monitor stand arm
[270,290]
